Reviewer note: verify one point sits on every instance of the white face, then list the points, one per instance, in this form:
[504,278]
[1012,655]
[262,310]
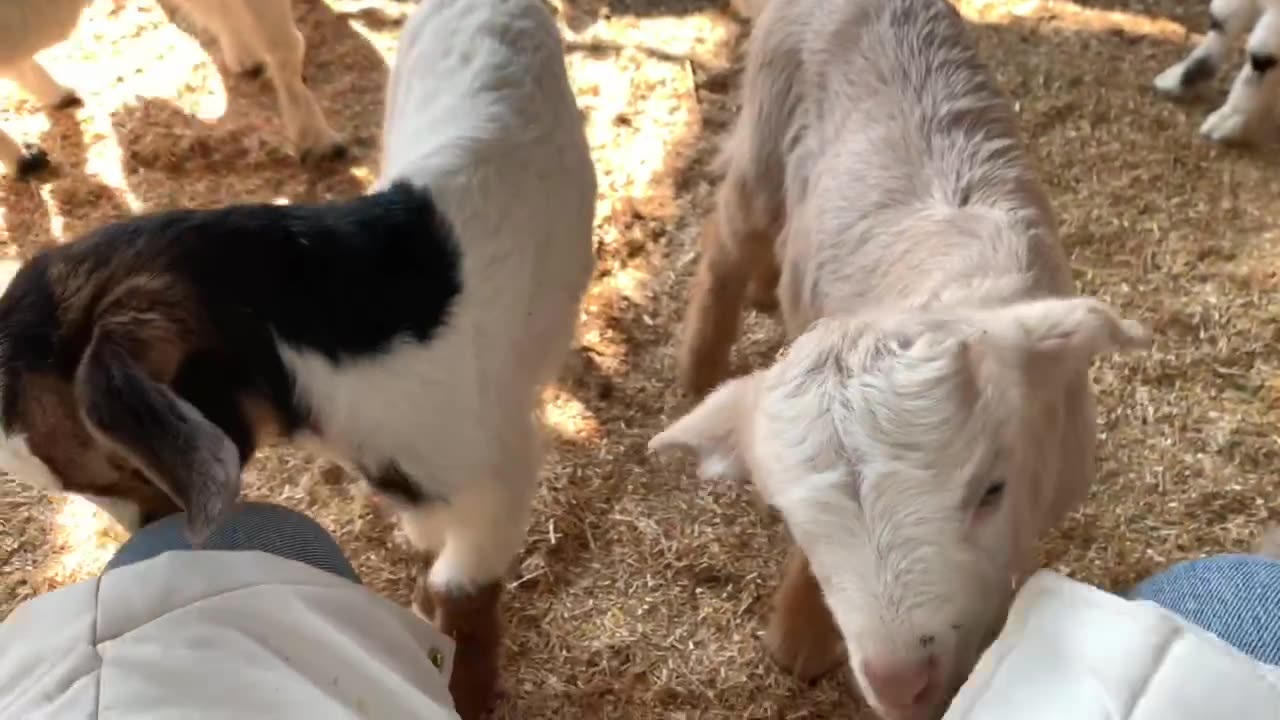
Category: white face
[898,474]
[914,544]
[915,468]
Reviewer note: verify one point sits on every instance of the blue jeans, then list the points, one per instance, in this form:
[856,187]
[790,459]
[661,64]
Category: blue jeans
[1236,597]
[251,526]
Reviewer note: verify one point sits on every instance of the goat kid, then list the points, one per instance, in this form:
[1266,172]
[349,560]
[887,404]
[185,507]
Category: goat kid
[932,416]
[406,333]
[254,35]
[1250,106]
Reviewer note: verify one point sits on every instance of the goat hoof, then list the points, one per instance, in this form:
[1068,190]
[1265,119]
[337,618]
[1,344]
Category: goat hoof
[34,160]
[699,376]
[1228,126]
[424,605]
[764,302]
[802,637]
[68,101]
[474,622]
[807,659]
[334,152]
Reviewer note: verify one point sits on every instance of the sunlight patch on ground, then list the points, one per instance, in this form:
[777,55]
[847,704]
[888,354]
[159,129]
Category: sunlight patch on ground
[631,282]
[635,84]
[693,36]
[8,268]
[161,61]
[385,46]
[567,416]
[86,538]
[1066,15]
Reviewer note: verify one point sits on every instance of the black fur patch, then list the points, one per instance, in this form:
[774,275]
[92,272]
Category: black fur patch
[29,327]
[342,279]
[1198,71]
[1261,62]
[391,481]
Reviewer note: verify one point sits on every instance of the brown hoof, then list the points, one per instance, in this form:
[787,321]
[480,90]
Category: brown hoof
[474,621]
[762,291]
[763,301]
[68,101]
[336,152]
[802,637]
[33,162]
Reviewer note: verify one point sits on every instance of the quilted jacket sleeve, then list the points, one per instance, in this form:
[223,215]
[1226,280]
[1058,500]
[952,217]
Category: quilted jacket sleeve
[1072,652]
[221,635]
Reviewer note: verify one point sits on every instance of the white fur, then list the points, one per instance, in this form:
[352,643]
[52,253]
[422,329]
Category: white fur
[1249,108]
[17,459]
[248,31]
[20,463]
[479,110]
[937,349]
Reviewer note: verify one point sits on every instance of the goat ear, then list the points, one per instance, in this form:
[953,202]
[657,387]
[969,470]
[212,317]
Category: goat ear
[1062,334]
[713,429]
[187,456]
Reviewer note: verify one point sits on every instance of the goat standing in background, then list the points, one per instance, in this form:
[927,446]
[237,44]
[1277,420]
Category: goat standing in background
[254,35]
[932,417]
[407,333]
[1249,109]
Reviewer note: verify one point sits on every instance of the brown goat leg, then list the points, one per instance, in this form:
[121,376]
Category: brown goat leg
[802,637]
[474,620]
[713,319]
[762,292]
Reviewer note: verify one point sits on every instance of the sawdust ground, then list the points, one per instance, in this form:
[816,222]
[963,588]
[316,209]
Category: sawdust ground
[641,592]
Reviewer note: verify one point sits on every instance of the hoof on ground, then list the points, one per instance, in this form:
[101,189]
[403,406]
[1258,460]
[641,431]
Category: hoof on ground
[33,162]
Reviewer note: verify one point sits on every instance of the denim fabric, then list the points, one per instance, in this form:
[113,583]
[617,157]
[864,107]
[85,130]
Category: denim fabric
[251,526]
[1236,597]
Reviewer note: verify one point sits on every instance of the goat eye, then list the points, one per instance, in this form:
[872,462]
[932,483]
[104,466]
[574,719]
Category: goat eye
[992,495]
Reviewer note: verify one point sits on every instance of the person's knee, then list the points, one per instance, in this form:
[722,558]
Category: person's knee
[263,510]
[1215,575]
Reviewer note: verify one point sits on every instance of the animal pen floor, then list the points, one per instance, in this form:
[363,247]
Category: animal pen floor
[641,592]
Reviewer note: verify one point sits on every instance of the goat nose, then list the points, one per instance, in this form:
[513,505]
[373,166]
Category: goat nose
[901,685]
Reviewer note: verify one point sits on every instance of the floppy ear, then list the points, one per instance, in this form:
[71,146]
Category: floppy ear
[183,453]
[1055,336]
[713,429]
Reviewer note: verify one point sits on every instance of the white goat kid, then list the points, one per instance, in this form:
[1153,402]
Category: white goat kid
[932,417]
[1249,108]
[253,35]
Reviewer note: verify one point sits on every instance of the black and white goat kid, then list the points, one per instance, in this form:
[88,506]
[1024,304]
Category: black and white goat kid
[407,333]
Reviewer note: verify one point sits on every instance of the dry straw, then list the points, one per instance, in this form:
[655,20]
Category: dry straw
[641,592]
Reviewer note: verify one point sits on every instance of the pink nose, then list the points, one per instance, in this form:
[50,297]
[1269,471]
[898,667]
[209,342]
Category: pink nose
[902,685]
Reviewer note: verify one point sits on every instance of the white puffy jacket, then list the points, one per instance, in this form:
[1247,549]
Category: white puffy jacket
[231,634]
[1070,651]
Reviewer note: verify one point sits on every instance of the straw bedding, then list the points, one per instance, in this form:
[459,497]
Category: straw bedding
[641,592]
